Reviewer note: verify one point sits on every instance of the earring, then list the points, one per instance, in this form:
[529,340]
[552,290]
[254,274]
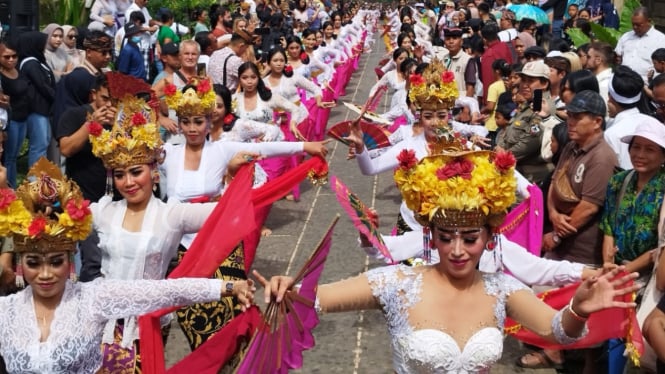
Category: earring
[20,282]
[72,268]
[155,179]
[491,244]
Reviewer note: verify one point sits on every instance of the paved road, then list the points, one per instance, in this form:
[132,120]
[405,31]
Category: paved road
[349,342]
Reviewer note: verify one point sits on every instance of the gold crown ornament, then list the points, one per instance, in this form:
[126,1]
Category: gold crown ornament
[134,137]
[434,89]
[197,98]
[458,189]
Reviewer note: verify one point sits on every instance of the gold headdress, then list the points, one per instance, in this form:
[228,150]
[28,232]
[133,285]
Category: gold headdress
[434,89]
[46,215]
[458,189]
[134,138]
[198,98]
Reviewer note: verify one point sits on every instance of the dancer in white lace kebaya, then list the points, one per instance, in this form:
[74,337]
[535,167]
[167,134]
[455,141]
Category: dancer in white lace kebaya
[449,317]
[55,325]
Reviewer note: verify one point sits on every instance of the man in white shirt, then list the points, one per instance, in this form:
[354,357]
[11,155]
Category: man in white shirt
[507,25]
[599,59]
[635,47]
[625,91]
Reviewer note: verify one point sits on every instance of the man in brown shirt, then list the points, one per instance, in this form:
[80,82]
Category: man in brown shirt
[579,184]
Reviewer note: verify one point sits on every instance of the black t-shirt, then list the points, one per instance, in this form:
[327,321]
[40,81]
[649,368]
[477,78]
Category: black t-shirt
[18,91]
[84,168]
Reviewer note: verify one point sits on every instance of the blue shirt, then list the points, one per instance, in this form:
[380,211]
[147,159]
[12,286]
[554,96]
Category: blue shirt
[131,61]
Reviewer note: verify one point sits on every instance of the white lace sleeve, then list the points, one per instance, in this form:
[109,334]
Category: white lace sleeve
[112,299]
[278,102]
[249,130]
[307,85]
[397,288]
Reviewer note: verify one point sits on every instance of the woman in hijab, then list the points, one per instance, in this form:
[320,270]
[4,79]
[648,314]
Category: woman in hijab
[523,41]
[56,58]
[71,36]
[41,81]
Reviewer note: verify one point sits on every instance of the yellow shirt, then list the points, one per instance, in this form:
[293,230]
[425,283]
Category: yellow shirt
[493,93]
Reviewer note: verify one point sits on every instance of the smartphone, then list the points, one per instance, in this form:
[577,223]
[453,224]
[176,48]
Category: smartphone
[537,100]
[201,69]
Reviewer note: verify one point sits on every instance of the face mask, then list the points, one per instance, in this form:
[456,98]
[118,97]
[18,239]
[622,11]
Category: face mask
[136,39]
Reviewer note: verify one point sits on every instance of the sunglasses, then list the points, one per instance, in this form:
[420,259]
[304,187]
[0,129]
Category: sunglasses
[10,57]
[72,37]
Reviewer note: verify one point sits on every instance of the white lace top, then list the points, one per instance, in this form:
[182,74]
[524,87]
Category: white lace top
[288,89]
[73,345]
[264,109]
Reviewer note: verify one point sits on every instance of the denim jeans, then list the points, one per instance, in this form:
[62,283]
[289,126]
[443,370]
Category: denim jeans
[557,28]
[39,135]
[15,135]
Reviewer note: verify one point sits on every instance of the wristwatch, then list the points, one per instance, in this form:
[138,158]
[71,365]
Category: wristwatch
[229,288]
[555,238]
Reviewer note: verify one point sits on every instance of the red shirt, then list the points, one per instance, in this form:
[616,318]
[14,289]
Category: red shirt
[495,50]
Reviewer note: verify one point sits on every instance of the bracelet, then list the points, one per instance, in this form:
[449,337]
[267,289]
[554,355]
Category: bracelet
[575,315]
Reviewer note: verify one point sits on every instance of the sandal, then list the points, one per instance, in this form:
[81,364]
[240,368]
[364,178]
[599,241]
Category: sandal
[538,360]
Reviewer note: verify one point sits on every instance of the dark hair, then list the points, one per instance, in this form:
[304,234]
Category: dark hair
[275,51]
[483,8]
[165,14]
[605,50]
[506,110]
[502,66]
[490,31]
[264,92]
[583,24]
[516,67]
[398,51]
[137,15]
[558,44]
[581,80]
[406,65]
[400,38]
[196,13]
[626,82]
[422,66]
[202,38]
[300,8]
[658,81]
[583,48]
[560,133]
[526,23]
[223,92]
[294,39]
[658,55]
[561,64]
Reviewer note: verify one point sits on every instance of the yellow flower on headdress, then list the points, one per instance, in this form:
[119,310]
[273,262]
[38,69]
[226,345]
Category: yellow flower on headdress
[435,88]
[198,98]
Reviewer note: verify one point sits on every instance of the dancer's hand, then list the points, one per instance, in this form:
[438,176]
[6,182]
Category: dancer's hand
[240,159]
[294,129]
[326,104]
[317,148]
[244,291]
[598,293]
[168,124]
[3,176]
[355,137]
[276,287]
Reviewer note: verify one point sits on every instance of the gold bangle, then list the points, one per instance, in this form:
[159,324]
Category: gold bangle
[575,315]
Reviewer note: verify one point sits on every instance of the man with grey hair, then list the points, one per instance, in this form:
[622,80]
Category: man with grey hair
[635,47]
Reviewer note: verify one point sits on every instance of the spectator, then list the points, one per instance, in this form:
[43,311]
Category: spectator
[501,74]
[459,60]
[34,69]
[201,17]
[559,68]
[207,44]
[625,95]
[224,63]
[659,96]
[601,56]
[17,88]
[56,58]
[507,25]
[221,22]
[73,90]
[494,50]
[521,43]
[165,33]
[131,60]
[636,46]
[574,83]
[76,55]
[658,60]
[558,9]
[106,13]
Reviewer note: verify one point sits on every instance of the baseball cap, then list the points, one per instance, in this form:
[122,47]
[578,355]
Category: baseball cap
[535,51]
[536,69]
[171,49]
[648,128]
[454,32]
[587,101]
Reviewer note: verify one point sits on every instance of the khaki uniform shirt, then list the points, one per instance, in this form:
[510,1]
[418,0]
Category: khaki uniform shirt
[458,66]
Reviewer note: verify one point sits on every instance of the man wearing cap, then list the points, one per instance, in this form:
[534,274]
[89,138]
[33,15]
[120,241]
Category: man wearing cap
[524,136]
[599,60]
[224,64]
[534,53]
[507,25]
[625,93]
[131,61]
[579,184]
[171,59]
[459,60]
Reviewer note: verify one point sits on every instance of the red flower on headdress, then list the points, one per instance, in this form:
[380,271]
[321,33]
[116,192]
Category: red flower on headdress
[228,119]
[203,86]
[138,119]
[447,76]
[170,89]
[78,211]
[303,56]
[504,160]
[37,226]
[288,69]
[407,159]
[459,167]
[95,128]
[416,79]
[7,196]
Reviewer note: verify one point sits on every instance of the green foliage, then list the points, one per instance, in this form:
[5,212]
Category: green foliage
[63,12]
[182,9]
[607,34]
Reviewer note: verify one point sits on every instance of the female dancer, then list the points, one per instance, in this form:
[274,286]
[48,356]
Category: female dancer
[55,325]
[198,170]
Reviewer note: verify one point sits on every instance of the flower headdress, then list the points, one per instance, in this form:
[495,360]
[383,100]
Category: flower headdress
[458,189]
[134,137]
[434,89]
[196,99]
[46,215]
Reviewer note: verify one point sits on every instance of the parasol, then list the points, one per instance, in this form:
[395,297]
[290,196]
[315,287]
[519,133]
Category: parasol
[373,136]
[370,116]
[529,11]
[360,216]
[286,330]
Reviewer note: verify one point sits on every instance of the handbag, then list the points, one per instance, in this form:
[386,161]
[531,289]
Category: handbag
[562,186]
